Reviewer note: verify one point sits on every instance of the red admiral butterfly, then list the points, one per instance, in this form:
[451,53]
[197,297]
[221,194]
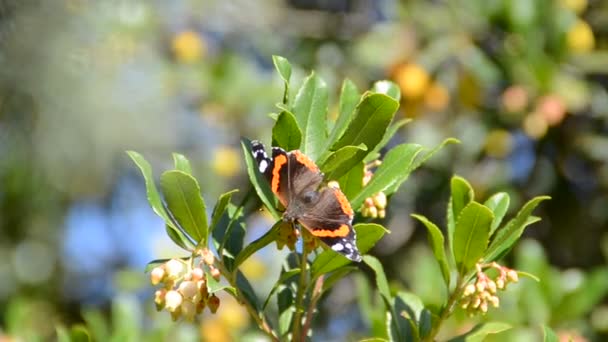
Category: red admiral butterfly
[324,210]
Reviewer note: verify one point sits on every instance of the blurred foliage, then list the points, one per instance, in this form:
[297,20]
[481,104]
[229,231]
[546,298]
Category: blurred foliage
[522,84]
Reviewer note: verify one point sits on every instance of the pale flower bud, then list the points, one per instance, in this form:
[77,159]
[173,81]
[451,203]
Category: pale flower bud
[476,302]
[512,276]
[159,298]
[500,283]
[491,286]
[469,290]
[465,303]
[188,289]
[381,213]
[174,268]
[369,202]
[157,275]
[208,256]
[188,310]
[215,273]
[173,300]
[481,286]
[373,212]
[380,200]
[495,301]
[483,307]
[197,274]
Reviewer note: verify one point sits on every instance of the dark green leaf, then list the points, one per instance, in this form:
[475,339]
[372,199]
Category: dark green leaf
[220,208]
[182,163]
[284,68]
[329,260]
[285,276]
[258,244]
[246,290]
[336,275]
[471,235]
[152,193]
[425,323]
[372,117]
[258,180]
[509,234]
[549,335]
[183,196]
[388,88]
[381,281]
[349,98]
[406,311]
[437,245]
[341,161]
[286,133]
[176,235]
[499,204]
[310,110]
[461,195]
[394,171]
[232,238]
[213,285]
[481,331]
[388,135]
[352,182]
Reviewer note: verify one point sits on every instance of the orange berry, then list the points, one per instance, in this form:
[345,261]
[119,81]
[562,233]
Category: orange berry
[412,79]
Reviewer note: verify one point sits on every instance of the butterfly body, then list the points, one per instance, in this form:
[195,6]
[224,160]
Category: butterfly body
[298,184]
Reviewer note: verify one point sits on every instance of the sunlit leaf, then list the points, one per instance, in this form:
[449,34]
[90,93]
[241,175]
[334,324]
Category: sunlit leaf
[341,161]
[282,65]
[388,88]
[285,276]
[310,110]
[183,196]
[388,135]
[182,163]
[549,335]
[286,133]
[499,204]
[471,235]
[437,245]
[220,208]
[381,281]
[461,194]
[481,331]
[352,182]
[349,98]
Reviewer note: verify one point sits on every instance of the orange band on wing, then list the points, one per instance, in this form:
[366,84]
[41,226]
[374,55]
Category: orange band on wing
[305,160]
[342,231]
[344,203]
[279,161]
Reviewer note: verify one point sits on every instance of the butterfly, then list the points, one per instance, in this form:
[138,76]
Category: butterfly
[322,209]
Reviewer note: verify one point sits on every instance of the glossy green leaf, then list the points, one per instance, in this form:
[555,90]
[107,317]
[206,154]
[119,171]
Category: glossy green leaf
[387,88]
[471,235]
[220,208]
[388,135]
[286,133]
[246,290]
[329,260]
[151,191]
[506,236]
[310,110]
[394,171]
[499,204]
[352,182]
[461,194]
[285,276]
[258,244]
[549,335]
[370,122]
[177,235]
[433,151]
[184,200]
[341,161]
[381,281]
[481,332]
[425,323]
[260,184]
[232,238]
[349,98]
[437,242]
[182,163]
[282,65]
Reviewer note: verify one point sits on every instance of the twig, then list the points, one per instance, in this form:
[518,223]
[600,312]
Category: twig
[316,294]
[297,322]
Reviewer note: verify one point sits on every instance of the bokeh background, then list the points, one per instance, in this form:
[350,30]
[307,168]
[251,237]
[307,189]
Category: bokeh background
[522,83]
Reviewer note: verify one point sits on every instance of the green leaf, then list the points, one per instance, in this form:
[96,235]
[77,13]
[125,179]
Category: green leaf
[394,171]
[432,152]
[549,335]
[329,260]
[258,244]
[285,276]
[97,325]
[341,161]
[461,195]
[388,88]
[499,204]
[583,299]
[509,234]
[232,237]
[352,182]
[284,68]
[406,311]
[425,323]
[372,117]
[335,276]
[437,242]
[388,135]
[182,163]
[310,110]
[381,281]
[178,236]
[286,133]
[471,235]
[260,184]
[79,333]
[184,200]
[213,285]
[528,275]
[481,331]
[152,193]
[62,334]
[246,290]
[349,98]
[220,208]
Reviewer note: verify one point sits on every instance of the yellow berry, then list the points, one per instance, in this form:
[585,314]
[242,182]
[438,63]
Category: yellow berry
[188,47]
[580,38]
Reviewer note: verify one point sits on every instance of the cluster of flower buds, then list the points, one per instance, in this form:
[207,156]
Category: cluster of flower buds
[287,236]
[184,290]
[374,206]
[477,296]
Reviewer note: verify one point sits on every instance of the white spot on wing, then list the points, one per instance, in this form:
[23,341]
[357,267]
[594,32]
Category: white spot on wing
[337,247]
[263,165]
